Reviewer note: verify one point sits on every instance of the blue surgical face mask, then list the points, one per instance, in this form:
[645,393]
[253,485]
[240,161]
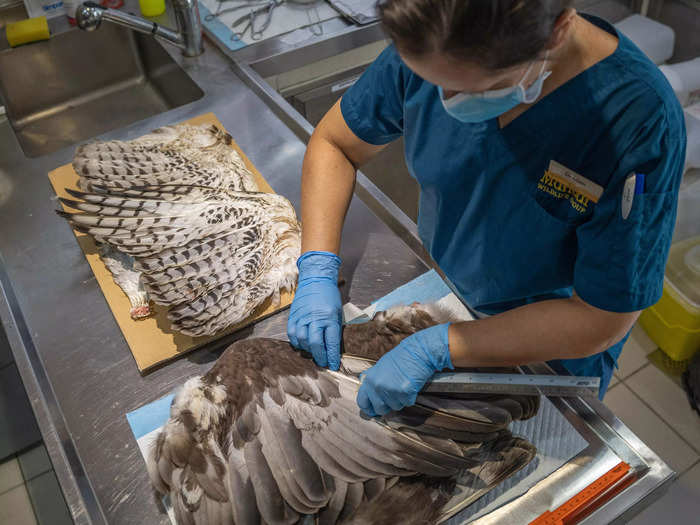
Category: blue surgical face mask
[479,107]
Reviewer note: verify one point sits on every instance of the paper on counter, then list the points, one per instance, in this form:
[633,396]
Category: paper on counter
[354,314]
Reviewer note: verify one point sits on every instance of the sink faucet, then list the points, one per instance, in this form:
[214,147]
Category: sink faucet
[188,36]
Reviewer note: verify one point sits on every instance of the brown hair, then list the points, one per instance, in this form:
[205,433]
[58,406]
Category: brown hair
[495,34]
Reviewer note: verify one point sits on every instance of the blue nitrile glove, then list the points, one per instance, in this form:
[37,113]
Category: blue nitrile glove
[316,314]
[397,378]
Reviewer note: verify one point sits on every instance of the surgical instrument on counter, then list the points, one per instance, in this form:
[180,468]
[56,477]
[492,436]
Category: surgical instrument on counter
[256,33]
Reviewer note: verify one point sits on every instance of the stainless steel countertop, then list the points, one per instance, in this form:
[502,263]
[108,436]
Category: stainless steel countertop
[76,366]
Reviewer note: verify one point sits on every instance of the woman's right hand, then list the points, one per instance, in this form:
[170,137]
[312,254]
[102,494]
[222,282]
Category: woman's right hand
[316,317]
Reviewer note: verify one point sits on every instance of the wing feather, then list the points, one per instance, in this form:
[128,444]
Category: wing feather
[329,515]
[241,491]
[298,476]
[273,509]
[353,500]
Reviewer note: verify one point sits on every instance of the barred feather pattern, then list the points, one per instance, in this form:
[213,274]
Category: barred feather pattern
[181,205]
[183,155]
[266,436]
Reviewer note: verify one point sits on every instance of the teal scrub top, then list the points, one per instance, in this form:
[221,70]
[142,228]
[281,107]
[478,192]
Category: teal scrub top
[537,209]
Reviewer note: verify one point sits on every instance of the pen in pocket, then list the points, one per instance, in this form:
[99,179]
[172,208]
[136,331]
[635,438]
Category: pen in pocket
[634,185]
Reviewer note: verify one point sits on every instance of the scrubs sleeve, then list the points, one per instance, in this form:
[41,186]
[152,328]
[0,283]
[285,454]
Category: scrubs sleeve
[373,106]
[620,261]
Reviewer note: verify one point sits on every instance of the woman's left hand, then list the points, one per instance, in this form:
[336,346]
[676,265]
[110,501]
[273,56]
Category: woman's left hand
[396,379]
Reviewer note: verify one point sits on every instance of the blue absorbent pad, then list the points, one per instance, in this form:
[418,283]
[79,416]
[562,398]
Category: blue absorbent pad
[150,417]
[426,288]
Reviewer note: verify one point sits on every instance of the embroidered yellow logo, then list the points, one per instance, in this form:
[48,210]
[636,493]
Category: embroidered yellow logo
[562,183]
[550,183]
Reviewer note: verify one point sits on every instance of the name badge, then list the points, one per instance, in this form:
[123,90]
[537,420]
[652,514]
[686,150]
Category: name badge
[577,183]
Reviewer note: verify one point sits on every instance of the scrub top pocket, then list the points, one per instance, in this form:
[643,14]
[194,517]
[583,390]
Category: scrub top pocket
[549,217]
[563,206]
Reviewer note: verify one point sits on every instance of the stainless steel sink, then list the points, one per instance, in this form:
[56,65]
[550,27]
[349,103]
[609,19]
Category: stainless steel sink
[78,85]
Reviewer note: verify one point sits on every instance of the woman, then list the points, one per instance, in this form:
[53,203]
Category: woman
[549,152]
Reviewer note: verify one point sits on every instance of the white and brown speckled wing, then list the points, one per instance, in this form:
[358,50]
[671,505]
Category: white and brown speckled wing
[146,227]
[183,154]
[212,262]
[182,205]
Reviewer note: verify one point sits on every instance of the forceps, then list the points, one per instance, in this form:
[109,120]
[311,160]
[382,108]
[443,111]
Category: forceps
[256,32]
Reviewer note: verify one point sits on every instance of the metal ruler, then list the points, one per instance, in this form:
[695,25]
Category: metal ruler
[528,384]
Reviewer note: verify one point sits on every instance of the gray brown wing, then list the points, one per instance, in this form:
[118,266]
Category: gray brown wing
[314,441]
[295,442]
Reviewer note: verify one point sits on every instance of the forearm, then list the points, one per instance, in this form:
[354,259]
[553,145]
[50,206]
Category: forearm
[328,178]
[554,329]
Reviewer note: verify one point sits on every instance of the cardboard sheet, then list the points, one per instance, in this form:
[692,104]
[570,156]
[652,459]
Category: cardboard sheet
[151,340]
